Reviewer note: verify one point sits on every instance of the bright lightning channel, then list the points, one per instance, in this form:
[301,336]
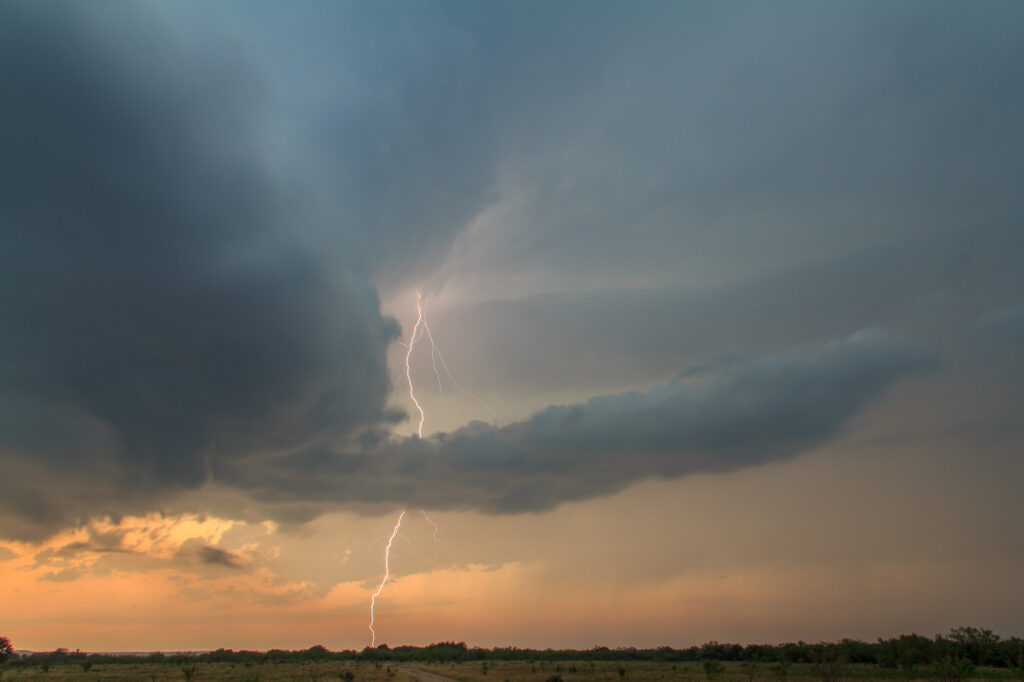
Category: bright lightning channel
[435,355]
[408,354]
[419,432]
[387,576]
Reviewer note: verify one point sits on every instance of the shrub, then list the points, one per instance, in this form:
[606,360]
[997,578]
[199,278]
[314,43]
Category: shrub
[712,669]
[952,669]
[1015,662]
[827,665]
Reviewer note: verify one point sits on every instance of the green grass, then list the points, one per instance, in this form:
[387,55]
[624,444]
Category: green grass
[578,671]
[235,672]
[476,671]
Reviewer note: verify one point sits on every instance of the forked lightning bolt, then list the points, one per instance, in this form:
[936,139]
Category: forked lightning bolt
[419,432]
[435,355]
[408,354]
[387,576]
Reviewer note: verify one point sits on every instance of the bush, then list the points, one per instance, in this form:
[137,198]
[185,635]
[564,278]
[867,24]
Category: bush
[712,669]
[1017,666]
[828,665]
[952,669]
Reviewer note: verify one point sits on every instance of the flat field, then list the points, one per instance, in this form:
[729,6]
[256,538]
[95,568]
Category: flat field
[612,671]
[476,671]
[203,672]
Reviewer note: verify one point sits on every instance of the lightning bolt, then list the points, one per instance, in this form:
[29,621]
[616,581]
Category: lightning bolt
[408,354]
[436,531]
[387,576]
[435,355]
[431,522]
[419,431]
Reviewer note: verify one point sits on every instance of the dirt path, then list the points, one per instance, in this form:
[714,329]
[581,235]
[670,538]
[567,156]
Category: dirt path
[423,675]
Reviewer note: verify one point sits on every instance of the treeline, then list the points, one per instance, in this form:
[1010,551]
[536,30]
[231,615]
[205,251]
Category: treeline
[973,646]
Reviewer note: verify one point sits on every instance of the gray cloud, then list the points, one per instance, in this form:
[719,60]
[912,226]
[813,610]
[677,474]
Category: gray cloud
[211,556]
[98,543]
[1006,325]
[66,575]
[191,220]
[926,287]
[720,143]
[407,113]
[748,413]
[156,315]
[76,548]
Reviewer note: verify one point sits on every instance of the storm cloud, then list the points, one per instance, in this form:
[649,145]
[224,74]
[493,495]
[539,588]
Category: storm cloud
[154,317]
[930,288]
[203,206]
[714,420]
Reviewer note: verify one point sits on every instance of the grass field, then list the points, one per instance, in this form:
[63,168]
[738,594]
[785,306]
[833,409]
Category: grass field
[477,671]
[201,672]
[569,671]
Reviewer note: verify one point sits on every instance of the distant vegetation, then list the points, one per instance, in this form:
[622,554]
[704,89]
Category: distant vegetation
[951,657]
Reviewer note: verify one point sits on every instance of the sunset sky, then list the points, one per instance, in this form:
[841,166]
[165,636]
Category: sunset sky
[730,299]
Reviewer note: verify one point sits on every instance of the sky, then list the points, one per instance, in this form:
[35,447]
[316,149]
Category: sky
[721,318]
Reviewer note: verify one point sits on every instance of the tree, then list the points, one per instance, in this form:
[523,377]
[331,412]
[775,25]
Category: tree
[828,663]
[980,645]
[6,649]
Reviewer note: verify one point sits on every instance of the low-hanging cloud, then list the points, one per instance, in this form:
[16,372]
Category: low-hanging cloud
[167,324]
[154,315]
[746,414]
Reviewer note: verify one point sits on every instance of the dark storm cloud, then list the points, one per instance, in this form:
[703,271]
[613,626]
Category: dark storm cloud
[725,141]
[748,413]
[154,316]
[407,111]
[927,287]
[188,219]
[1006,325]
